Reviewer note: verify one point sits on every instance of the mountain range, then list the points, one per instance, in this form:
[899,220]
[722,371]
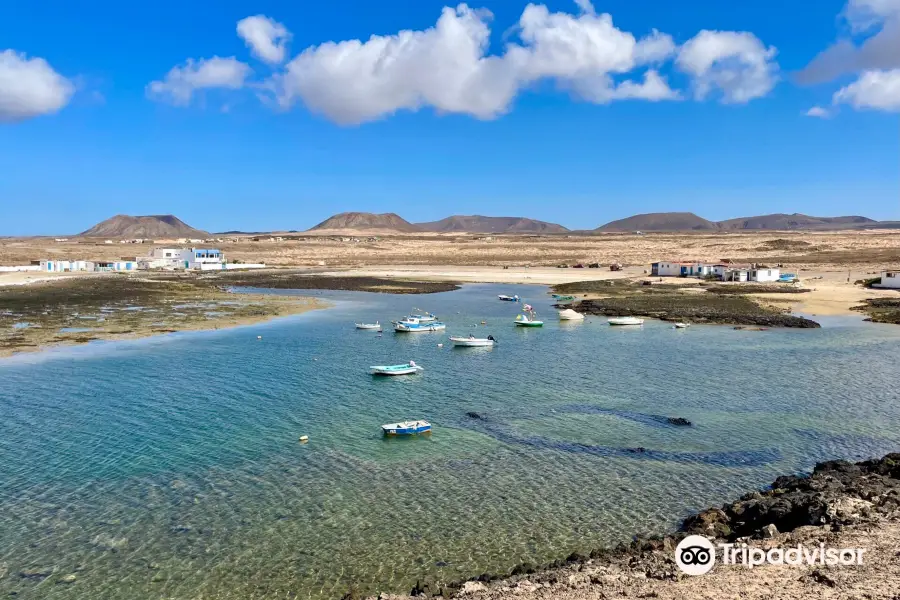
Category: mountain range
[687,221]
[480,224]
[169,226]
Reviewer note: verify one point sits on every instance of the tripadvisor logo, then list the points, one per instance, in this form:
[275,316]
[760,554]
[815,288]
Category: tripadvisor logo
[696,555]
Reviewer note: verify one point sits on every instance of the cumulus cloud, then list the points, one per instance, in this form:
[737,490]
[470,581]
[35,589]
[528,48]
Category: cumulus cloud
[265,37]
[737,64]
[818,112]
[444,66]
[447,66]
[878,22]
[181,82]
[29,87]
[877,90]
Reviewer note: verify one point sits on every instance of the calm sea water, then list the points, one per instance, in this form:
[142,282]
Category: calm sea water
[171,468]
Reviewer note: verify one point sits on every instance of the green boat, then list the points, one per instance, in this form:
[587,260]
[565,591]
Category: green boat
[525,320]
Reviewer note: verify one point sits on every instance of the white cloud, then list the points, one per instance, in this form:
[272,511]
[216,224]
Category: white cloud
[863,14]
[585,6]
[265,37]
[736,63]
[181,82]
[29,87]
[654,88]
[880,50]
[446,66]
[878,90]
[818,112]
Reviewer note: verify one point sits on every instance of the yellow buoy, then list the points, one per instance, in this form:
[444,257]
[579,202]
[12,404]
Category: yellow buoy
[304,439]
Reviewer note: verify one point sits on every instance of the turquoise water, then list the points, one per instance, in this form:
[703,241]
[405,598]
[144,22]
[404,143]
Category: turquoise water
[170,467]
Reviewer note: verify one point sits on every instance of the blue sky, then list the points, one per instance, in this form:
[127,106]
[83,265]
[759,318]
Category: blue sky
[537,123]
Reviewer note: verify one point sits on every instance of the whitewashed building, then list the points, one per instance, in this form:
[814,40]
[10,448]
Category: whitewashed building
[63,266]
[763,275]
[115,265]
[889,279]
[681,269]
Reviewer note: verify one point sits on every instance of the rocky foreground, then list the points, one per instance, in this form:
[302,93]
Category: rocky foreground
[841,505]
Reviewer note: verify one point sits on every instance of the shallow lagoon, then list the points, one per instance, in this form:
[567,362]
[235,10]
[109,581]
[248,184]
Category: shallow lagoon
[170,467]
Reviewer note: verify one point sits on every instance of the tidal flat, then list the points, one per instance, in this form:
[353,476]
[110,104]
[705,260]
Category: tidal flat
[78,310]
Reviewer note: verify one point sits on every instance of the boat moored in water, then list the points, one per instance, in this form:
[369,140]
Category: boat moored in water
[409,368]
[508,298]
[681,325]
[567,314]
[406,428]
[375,325]
[472,341]
[625,321]
[525,320]
[410,327]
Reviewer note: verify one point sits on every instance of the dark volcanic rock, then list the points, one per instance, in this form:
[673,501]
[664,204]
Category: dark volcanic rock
[837,492]
[474,415]
[696,308]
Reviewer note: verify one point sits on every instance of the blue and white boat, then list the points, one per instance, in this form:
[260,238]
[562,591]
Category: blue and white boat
[406,428]
[506,298]
[413,327]
[424,318]
[409,368]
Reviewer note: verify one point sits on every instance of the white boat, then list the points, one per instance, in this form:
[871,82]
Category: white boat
[406,428]
[567,314]
[375,325]
[419,327]
[625,321]
[472,341]
[408,369]
[508,298]
[681,325]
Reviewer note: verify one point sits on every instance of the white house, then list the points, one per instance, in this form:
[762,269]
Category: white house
[183,258]
[681,269]
[62,266]
[765,275]
[116,265]
[731,272]
[889,279]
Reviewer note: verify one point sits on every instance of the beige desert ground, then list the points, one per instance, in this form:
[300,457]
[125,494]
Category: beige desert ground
[828,262]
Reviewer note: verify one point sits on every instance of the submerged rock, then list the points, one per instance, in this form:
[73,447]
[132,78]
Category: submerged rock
[475,415]
[681,421]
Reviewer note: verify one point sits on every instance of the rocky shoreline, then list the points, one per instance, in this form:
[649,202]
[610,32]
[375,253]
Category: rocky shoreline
[303,280]
[718,310]
[838,503]
[881,310]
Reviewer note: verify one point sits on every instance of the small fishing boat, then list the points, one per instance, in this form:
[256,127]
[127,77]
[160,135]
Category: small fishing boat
[625,321]
[567,314]
[424,318]
[508,298]
[559,298]
[409,368]
[472,341]
[375,325]
[524,320]
[406,428]
[681,325]
[406,327]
